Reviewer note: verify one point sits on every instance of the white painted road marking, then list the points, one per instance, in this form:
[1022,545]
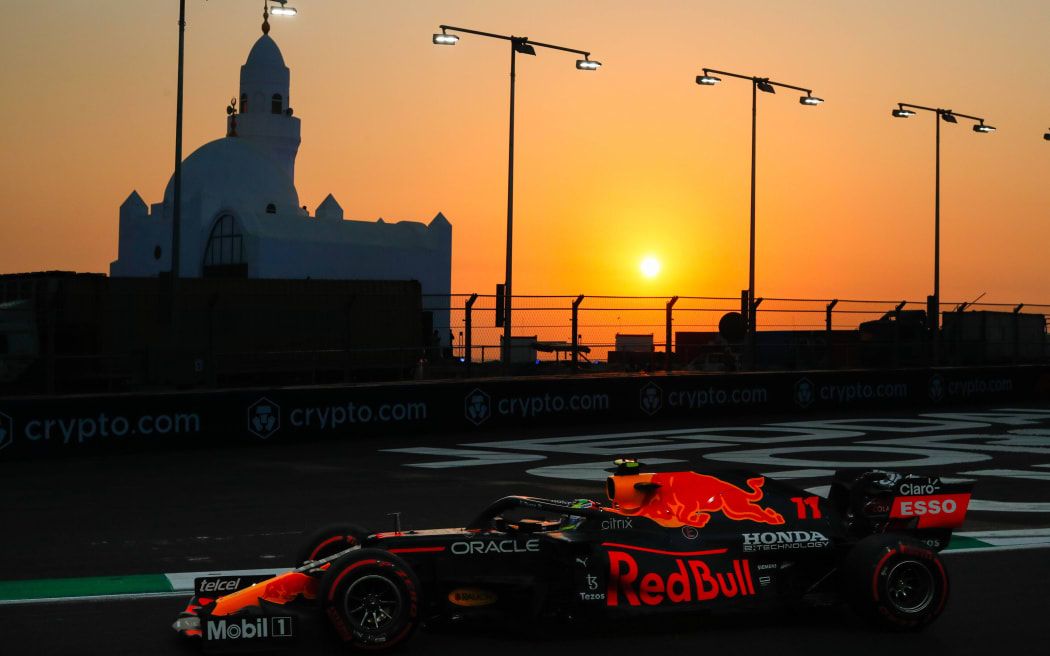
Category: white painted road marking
[888,442]
[1012,473]
[468,458]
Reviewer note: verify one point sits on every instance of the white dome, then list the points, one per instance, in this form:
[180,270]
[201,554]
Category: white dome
[234,170]
[265,54]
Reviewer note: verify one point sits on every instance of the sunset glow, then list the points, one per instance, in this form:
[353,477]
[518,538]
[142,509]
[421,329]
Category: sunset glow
[650,267]
[396,127]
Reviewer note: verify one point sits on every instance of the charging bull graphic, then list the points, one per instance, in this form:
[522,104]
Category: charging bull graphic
[688,498]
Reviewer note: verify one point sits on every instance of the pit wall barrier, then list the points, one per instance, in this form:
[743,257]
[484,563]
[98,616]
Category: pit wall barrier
[32,427]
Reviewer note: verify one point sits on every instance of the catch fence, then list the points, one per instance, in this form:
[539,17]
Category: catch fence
[665,324]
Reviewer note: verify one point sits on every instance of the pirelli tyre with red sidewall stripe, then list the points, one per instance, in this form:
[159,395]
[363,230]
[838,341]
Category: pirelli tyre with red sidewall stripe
[895,581]
[330,540]
[371,598]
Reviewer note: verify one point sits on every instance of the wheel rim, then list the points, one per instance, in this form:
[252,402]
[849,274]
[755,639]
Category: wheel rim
[372,602]
[910,586]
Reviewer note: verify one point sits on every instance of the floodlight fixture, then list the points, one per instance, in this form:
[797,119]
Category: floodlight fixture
[707,80]
[947,116]
[903,113]
[445,39]
[981,127]
[1047,136]
[764,85]
[810,100]
[282,10]
[522,45]
[586,64]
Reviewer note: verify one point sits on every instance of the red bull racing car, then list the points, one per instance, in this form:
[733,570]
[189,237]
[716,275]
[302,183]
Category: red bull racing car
[668,541]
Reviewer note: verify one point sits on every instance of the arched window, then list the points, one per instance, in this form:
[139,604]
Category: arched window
[224,254]
[277,105]
[244,102]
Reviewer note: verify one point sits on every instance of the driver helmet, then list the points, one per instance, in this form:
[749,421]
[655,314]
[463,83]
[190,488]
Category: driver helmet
[572,522]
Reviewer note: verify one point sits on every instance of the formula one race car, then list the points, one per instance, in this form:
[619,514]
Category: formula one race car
[666,541]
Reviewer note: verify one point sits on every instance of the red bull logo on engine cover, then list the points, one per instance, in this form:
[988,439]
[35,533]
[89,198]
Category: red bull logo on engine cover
[681,498]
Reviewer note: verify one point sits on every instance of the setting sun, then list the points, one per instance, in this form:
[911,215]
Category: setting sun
[650,267]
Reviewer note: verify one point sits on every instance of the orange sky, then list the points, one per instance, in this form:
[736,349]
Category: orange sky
[631,161]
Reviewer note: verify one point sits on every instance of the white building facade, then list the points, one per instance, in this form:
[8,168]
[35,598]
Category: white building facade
[241,216]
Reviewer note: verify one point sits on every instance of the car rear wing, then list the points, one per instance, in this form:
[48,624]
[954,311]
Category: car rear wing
[892,501]
[927,503]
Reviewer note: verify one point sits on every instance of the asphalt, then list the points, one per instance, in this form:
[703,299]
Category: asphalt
[223,509]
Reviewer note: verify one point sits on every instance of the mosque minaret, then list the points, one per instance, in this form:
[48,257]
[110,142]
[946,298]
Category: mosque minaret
[241,214]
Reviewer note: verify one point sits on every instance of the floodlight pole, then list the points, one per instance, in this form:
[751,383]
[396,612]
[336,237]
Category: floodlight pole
[751,249]
[935,320]
[508,274]
[934,306]
[751,305]
[176,207]
[176,203]
[524,45]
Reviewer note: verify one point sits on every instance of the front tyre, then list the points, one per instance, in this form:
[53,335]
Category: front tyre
[371,598]
[895,581]
[328,541]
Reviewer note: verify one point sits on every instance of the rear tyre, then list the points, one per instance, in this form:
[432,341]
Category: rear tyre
[895,581]
[371,599]
[328,541]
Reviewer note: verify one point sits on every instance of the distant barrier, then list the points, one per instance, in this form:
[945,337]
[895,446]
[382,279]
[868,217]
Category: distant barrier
[33,427]
[66,333]
[792,332]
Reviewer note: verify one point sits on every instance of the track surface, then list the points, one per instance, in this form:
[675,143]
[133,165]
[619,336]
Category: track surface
[230,509]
